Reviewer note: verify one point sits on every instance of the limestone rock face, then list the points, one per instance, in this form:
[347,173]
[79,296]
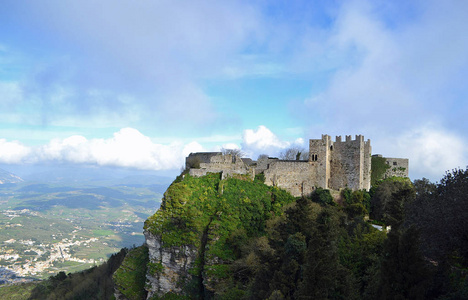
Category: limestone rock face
[118,295]
[173,262]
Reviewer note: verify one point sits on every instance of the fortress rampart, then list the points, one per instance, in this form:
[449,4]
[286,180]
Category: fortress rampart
[331,165]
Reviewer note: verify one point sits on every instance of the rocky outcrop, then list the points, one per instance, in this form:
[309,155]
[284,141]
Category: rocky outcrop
[168,267]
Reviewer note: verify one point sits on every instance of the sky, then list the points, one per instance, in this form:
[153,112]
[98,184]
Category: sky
[141,84]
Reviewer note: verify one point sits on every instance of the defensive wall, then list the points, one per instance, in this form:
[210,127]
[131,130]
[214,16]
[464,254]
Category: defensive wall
[331,165]
[297,177]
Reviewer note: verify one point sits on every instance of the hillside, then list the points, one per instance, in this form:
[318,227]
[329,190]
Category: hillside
[240,239]
[7,177]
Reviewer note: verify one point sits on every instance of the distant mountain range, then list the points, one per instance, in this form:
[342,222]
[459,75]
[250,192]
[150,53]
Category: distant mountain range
[7,177]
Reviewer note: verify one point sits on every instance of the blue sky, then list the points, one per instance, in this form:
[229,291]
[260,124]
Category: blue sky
[141,85]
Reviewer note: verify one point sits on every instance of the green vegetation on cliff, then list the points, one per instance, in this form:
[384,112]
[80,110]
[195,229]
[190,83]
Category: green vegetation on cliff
[216,217]
[192,205]
[130,278]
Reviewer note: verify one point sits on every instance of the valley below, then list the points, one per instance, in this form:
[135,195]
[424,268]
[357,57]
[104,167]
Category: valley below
[46,228]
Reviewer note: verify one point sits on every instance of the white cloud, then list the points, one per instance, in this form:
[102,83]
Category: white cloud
[261,139]
[128,148]
[264,141]
[13,152]
[192,147]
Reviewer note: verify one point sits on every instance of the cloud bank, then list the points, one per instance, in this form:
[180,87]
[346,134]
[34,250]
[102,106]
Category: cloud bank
[128,148]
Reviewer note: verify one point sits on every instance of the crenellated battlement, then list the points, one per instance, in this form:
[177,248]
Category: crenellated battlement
[348,138]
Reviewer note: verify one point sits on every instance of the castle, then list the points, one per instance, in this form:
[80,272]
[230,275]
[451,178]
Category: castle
[331,165]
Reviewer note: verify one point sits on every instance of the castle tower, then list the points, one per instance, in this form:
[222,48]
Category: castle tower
[319,156]
[350,163]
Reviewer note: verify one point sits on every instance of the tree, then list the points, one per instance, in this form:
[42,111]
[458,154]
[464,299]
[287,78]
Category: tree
[294,153]
[442,215]
[382,196]
[424,187]
[322,266]
[234,152]
[404,272]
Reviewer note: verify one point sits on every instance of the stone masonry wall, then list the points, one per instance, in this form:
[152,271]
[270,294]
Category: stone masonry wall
[263,164]
[297,177]
[227,164]
[398,167]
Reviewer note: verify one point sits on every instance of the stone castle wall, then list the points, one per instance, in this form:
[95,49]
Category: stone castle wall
[216,162]
[297,177]
[331,165]
[264,164]
[398,167]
